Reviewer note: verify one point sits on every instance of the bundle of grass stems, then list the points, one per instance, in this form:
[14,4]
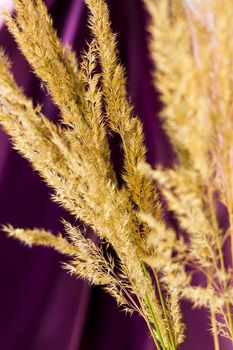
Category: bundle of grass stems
[147,265]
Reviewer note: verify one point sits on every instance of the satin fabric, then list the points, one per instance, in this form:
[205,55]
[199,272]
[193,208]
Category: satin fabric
[41,307]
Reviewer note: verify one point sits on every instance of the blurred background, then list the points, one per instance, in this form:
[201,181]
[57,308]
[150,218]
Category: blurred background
[41,307]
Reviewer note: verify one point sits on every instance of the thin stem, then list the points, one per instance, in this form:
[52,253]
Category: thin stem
[142,311]
[219,247]
[155,321]
[214,326]
[171,336]
[137,308]
[146,273]
[216,230]
[226,169]
[230,210]
[229,316]
[152,333]
[130,298]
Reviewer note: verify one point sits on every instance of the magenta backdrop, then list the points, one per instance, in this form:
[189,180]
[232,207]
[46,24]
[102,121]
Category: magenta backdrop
[41,307]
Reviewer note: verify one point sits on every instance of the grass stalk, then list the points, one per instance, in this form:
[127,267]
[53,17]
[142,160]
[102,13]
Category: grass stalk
[146,273]
[155,322]
[171,336]
[214,327]
[221,258]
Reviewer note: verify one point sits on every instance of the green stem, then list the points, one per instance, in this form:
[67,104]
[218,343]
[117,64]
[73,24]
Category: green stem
[155,322]
[153,334]
[146,273]
[171,336]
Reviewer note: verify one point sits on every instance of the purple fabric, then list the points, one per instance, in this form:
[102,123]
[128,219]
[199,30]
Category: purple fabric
[41,307]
